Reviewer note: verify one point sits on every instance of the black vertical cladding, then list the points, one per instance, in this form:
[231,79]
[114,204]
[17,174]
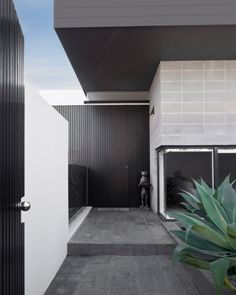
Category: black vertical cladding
[216,167]
[113,142]
[11,151]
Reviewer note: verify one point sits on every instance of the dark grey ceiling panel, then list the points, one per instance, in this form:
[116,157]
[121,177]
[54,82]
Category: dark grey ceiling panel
[126,59]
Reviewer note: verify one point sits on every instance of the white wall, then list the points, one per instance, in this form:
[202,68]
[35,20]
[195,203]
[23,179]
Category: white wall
[195,104]
[46,188]
[63,97]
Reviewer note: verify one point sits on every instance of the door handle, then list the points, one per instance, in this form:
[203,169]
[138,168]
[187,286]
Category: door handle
[24,206]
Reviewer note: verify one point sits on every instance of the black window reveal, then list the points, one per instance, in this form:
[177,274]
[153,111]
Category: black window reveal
[227,164]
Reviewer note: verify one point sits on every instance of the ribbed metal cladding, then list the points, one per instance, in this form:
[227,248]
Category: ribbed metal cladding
[113,142]
[11,151]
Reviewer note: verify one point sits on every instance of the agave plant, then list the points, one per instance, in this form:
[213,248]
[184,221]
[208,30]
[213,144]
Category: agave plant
[209,234]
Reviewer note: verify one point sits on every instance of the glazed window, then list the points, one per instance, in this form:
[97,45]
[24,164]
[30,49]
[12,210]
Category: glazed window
[177,169]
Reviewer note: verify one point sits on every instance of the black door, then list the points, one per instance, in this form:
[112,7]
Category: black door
[11,151]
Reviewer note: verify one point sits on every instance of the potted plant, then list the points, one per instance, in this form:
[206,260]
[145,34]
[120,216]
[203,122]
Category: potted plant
[209,231]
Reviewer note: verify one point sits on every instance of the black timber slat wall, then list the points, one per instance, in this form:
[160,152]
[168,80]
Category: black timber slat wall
[113,142]
[11,151]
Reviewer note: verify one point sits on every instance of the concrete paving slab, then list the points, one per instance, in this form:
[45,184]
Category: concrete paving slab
[119,275]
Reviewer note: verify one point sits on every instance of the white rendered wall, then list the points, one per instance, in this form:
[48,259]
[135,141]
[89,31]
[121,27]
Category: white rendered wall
[46,188]
[195,104]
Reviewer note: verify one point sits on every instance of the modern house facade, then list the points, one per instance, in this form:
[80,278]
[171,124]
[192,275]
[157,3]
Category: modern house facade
[160,81]
[193,127]
[179,56]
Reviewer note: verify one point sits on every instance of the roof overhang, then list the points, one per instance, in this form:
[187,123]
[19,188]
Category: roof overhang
[126,59]
[116,45]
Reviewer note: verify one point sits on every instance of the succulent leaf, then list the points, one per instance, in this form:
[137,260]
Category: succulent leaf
[213,209]
[202,229]
[231,230]
[226,195]
[219,270]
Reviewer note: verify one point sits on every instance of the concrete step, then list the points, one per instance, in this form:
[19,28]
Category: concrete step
[125,233]
[81,249]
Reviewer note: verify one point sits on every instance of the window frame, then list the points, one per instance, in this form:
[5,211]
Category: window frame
[161,175]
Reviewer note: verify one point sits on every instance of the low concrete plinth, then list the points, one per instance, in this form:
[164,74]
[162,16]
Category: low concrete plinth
[135,232]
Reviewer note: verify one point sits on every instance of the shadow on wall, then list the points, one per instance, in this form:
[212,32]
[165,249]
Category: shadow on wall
[78,177]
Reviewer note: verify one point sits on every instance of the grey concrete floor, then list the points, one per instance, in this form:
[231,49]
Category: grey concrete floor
[128,236]
[121,275]
[132,227]
[136,232]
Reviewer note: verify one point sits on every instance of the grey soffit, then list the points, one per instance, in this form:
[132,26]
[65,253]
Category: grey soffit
[126,58]
[118,96]
[124,13]
[116,102]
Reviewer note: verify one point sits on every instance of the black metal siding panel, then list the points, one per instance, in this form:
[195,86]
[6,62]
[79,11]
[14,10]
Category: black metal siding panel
[117,13]
[11,151]
[113,142]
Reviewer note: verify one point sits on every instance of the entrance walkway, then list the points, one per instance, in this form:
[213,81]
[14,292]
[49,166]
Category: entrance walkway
[121,253]
[136,232]
[121,275]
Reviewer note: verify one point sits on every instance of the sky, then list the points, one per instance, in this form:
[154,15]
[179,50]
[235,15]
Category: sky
[46,64]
